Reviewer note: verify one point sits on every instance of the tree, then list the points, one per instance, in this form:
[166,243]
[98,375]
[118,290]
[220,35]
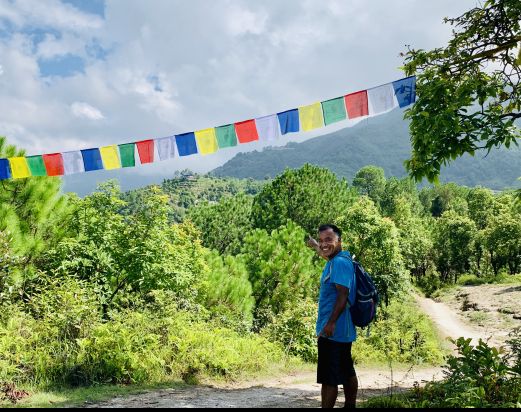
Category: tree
[453,244]
[469,92]
[370,181]
[375,243]
[309,196]
[281,269]
[224,225]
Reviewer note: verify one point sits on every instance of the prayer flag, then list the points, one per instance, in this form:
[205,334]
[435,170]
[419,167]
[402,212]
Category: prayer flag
[36,165]
[226,136]
[166,147]
[334,110]
[19,168]
[268,127]
[5,170]
[246,131]
[186,144]
[289,121]
[109,156]
[92,159]
[311,116]
[73,162]
[145,149]
[206,141]
[405,91]
[356,104]
[127,153]
[381,99]
[53,164]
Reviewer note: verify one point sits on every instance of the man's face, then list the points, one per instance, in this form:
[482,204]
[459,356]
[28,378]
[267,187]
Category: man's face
[329,243]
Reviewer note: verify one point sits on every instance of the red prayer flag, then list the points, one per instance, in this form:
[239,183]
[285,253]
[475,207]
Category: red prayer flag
[246,131]
[145,149]
[53,164]
[356,104]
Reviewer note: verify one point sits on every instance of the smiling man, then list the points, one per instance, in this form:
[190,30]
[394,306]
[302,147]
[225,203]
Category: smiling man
[335,328]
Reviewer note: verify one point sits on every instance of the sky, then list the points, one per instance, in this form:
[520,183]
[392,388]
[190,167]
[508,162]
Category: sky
[76,74]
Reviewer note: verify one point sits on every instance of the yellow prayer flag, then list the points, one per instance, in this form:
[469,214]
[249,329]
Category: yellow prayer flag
[206,141]
[109,156]
[19,167]
[311,117]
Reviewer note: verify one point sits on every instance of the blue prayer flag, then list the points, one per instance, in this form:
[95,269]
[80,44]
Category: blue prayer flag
[186,144]
[92,159]
[405,91]
[5,171]
[289,121]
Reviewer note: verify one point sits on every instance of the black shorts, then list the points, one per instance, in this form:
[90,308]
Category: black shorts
[335,364]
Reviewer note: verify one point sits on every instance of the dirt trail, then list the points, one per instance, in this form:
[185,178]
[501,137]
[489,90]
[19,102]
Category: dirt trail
[300,390]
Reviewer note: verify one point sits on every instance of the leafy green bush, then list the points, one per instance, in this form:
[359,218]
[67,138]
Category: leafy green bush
[295,330]
[473,280]
[402,334]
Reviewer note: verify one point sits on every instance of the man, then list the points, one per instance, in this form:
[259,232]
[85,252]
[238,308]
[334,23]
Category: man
[335,329]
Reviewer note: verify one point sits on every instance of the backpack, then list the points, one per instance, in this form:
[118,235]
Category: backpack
[363,309]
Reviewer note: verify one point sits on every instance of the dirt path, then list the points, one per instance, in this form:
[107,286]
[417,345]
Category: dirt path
[295,391]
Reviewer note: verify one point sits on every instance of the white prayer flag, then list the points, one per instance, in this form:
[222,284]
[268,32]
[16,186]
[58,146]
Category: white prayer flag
[381,99]
[73,162]
[268,127]
[166,147]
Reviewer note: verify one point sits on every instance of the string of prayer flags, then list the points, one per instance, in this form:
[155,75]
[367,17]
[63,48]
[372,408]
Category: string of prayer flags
[374,101]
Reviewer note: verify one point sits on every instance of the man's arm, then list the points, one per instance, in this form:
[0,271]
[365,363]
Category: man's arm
[313,244]
[340,305]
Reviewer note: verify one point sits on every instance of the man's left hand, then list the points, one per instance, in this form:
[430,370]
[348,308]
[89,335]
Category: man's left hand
[329,329]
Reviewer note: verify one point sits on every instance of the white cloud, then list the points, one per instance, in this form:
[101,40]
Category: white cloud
[85,110]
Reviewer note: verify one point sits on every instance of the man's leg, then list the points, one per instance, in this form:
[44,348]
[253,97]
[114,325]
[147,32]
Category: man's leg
[329,395]
[350,391]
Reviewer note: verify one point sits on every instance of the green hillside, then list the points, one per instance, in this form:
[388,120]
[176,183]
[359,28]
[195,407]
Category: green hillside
[382,141]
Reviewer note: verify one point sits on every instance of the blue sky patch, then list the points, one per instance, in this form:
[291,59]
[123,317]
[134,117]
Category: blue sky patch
[88,6]
[63,66]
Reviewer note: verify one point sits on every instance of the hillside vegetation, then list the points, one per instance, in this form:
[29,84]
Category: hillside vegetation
[211,277]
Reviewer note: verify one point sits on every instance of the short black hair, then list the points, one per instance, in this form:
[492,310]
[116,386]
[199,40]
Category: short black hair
[332,227]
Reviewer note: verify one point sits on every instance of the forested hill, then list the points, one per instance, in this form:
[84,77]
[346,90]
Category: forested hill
[382,141]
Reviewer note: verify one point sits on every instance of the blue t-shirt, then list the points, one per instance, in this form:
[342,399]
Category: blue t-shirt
[339,270]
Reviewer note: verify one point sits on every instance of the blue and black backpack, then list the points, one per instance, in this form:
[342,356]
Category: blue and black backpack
[363,309]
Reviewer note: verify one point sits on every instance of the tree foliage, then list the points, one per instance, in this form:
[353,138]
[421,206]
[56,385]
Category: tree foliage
[469,91]
[309,196]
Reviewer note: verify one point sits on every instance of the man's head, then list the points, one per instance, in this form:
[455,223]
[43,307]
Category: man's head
[329,240]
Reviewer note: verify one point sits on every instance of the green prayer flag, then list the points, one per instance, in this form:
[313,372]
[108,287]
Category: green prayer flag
[127,154]
[334,110]
[226,136]
[36,165]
